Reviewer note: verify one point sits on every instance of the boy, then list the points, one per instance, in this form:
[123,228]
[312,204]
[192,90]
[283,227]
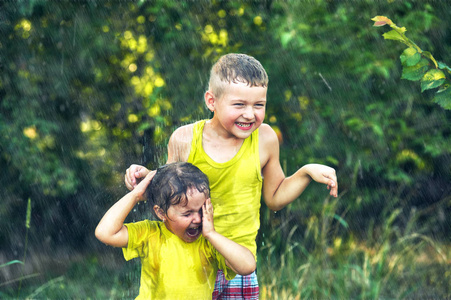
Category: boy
[180,256]
[236,150]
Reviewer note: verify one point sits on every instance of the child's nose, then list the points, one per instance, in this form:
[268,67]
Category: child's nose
[197,217]
[248,112]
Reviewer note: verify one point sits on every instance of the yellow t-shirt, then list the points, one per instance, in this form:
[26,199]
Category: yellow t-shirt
[235,187]
[170,267]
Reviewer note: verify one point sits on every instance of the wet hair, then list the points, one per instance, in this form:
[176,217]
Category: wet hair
[236,67]
[171,183]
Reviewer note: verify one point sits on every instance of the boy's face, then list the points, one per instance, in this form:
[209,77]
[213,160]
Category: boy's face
[241,109]
[186,221]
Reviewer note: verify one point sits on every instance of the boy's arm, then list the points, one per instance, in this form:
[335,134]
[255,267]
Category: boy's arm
[111,229]
[278,190]
[238,258]
[179,146]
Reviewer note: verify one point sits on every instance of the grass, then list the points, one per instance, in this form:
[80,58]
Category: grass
[328,262]
[88,278]
[318,258]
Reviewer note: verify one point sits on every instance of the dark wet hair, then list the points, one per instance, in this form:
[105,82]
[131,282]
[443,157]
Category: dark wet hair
[171,183]
[236,67]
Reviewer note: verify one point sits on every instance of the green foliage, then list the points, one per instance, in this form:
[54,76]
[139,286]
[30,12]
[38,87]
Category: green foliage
[417,68]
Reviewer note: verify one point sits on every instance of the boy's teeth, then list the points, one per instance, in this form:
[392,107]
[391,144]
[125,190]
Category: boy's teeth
[244,125]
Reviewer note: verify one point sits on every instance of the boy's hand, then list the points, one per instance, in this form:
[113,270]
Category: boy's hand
[207,218]
[140,189]
[324,174]
[133,175]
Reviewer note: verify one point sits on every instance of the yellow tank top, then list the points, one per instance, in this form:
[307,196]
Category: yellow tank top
[235,187]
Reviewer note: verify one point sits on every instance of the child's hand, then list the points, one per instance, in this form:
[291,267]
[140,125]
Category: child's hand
[207,218]
[133,175]
[140,189]
[326,175]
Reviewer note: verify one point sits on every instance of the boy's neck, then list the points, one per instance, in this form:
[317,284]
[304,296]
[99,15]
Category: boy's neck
[219,144]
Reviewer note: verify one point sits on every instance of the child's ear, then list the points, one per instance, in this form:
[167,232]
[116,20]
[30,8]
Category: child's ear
[210,100]
[159,212]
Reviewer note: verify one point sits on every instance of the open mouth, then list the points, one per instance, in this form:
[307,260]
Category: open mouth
[193,232]
[244,125]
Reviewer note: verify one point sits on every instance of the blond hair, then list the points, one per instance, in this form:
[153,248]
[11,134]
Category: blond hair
[233,68]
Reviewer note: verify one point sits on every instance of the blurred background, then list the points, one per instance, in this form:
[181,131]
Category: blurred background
[89,87]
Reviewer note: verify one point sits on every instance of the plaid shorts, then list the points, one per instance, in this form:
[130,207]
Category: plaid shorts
[240,287]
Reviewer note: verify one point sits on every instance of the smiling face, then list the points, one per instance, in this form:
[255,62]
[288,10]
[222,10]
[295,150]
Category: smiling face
[240,110]
[185,221]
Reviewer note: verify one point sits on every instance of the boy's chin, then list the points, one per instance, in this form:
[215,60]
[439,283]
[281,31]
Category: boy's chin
[242,134]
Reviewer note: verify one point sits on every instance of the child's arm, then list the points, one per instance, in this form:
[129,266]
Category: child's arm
[238,258]
[111,229]
[278,190]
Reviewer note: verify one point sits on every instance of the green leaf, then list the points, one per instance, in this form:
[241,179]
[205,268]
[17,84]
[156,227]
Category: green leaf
[27,222]
[341,220]
[355,123]
[10,263]
[432,79]
[285,38]
[377,130]
[332,160]
[416,72]
[443,97]
[410,57]
[443,66]
[393,35]
[403,29]
[144,125]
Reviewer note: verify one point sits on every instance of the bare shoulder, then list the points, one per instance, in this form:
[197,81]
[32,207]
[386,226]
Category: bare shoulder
[267,136]
[179,144]
[268,144]
[183,133]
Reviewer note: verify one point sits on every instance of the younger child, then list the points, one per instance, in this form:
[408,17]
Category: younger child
[181,255]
